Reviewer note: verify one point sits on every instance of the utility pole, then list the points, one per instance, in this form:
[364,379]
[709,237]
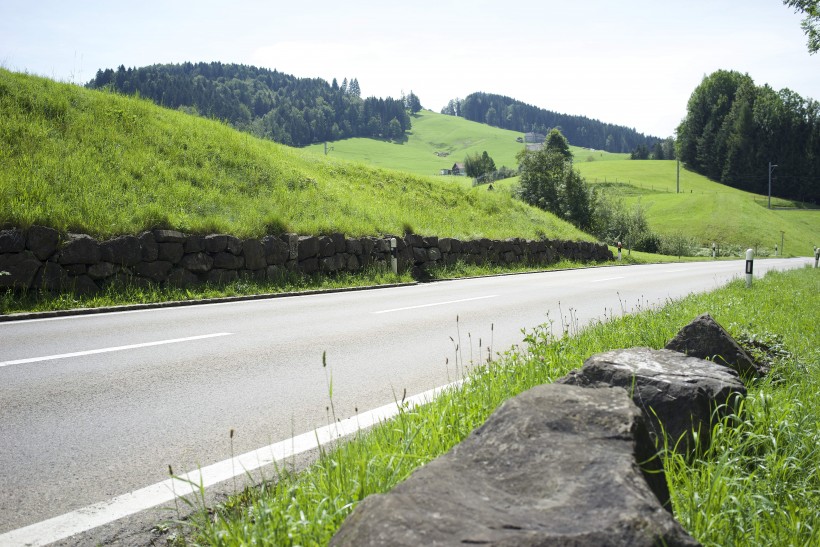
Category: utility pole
[678,189]
[771,168]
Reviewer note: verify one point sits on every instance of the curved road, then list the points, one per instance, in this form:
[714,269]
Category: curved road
[94,407]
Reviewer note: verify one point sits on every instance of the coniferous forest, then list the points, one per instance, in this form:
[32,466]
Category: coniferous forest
[734,129]
[269,104]
[507,113]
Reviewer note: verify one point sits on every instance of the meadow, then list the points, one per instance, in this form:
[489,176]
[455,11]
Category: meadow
[758,484]
[702,209]
[436,142]
[706,210]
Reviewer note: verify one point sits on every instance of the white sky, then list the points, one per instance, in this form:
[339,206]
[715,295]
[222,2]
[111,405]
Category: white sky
[632,62]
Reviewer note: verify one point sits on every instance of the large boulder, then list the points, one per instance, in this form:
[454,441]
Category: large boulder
[557,465]
[705,338]
[678,394]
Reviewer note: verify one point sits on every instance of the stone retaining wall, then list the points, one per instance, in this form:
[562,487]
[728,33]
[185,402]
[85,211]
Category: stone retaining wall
[41,258]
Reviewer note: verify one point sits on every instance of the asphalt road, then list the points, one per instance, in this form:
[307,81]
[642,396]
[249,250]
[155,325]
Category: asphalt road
[93,407]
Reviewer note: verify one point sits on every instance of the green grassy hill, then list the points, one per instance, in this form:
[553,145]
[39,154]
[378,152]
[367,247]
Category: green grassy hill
[705,210]
[437,141]
[96,162]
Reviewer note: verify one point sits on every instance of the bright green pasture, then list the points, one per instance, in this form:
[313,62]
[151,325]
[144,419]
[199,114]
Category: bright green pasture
[96,162]
[437,141]
[706,210]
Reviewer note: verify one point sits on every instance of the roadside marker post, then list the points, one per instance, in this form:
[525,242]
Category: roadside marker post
[749,266]
[619,250]
[714,251]
[394,256]
[816,256]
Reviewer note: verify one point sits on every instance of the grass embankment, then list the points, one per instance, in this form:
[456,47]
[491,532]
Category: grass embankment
[94,162]
[758,485]
[706,210]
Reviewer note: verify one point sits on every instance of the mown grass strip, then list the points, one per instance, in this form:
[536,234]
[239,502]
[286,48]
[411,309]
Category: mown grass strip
[759,484]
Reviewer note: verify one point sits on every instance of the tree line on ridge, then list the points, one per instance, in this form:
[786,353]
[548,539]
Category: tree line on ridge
[267,103]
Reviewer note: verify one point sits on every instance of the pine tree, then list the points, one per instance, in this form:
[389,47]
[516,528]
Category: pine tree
[354,88]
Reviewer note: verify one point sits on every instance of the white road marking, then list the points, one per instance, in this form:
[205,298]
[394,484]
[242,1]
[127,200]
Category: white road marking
[436,304]
[607,279]
[99,514]
[108,350]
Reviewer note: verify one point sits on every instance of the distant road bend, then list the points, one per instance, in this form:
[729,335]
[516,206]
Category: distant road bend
[94,408]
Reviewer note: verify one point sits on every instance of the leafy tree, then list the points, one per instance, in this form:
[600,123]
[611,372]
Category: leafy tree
[549,182]
[413,103]
[478,165]
[614,221]
[577,200]
[541,175]
[453,107]
[811,21]
[394,130]
[734,128]
[557,142]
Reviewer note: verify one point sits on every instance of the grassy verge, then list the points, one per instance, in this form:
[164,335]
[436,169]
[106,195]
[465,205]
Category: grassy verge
[759,485]
[118,295]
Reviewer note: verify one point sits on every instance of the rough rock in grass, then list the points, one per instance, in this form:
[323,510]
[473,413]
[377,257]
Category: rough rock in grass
[705,338]
[557,465]
[678,394]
